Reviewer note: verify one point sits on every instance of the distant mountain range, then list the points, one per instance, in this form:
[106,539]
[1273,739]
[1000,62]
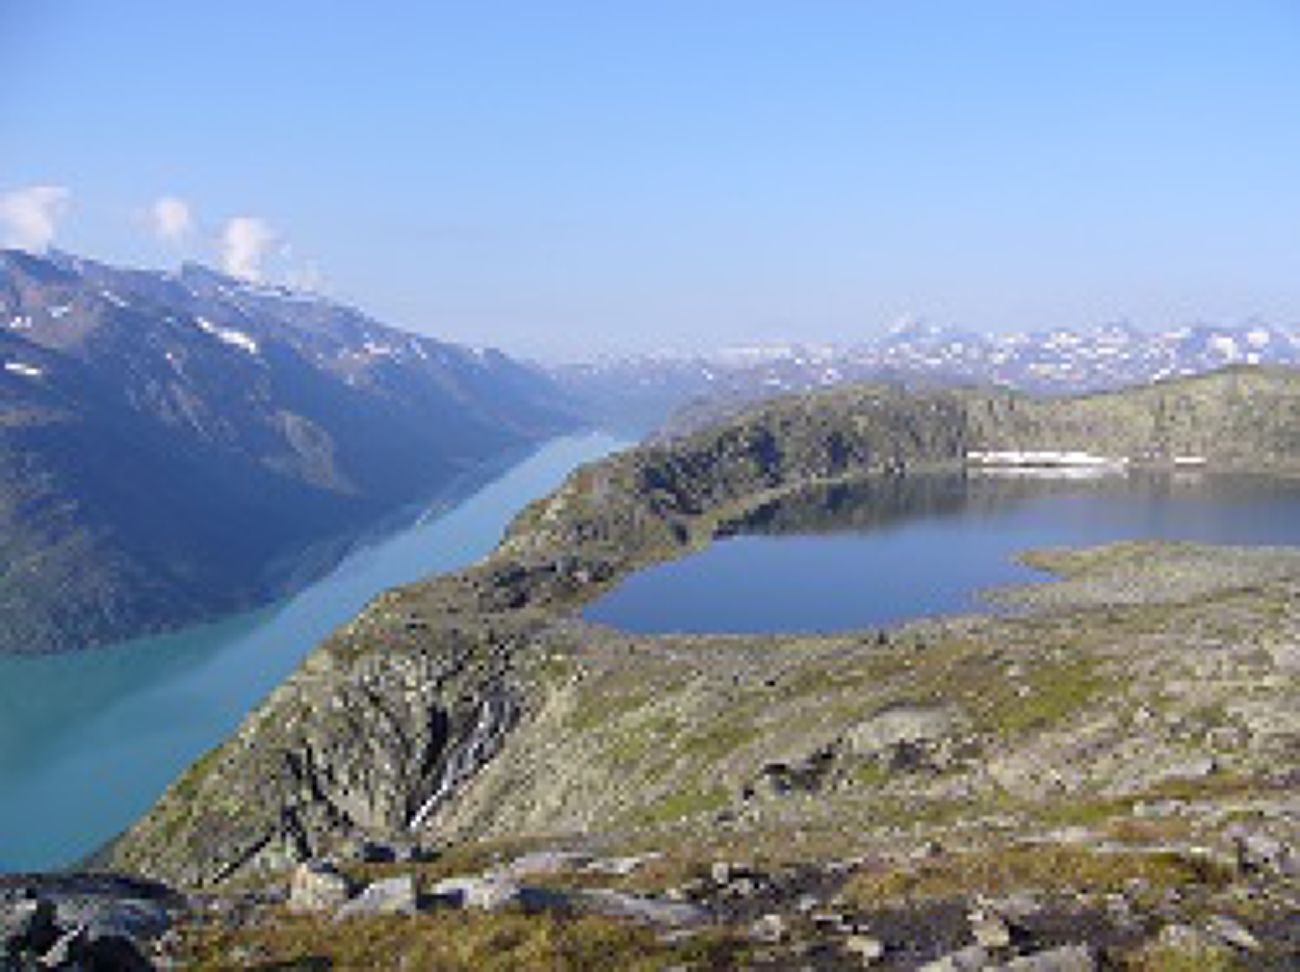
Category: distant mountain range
[170,443]
[642,391]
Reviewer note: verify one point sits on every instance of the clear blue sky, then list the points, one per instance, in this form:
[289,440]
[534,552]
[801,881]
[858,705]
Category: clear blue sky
[563,177]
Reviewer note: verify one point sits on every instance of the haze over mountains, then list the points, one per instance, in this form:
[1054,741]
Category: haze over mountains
[171,443]
[643,390]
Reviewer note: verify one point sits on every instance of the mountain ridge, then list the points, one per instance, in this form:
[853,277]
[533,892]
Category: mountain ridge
[644,390]
[167,439]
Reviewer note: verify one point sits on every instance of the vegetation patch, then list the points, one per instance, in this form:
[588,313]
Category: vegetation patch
[1050,693]
[1040,867]
[1194,957]
[684,804]
[449,940]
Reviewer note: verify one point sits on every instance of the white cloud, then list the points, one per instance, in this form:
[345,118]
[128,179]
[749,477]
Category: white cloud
[171,218]
[31,216]
[244,242]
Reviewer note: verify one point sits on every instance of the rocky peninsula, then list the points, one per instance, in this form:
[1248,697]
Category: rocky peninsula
[469,773]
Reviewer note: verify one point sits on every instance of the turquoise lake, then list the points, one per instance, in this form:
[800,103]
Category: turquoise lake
[875,553]
[88,740]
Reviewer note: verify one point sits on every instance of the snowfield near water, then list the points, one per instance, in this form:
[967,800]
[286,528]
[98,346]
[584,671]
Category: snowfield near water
[1043,457]
[26,370]
[236,339]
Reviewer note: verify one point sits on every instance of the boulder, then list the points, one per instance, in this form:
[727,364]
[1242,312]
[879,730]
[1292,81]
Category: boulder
[82,949]
[139,919]
[1016,906]
[865,947]
[85,921]
[723,871]
[770,928]
[972,958]
[547,862]
[67,950]
[620,866]
[493,891]
[654,911]
[834,920]
[807,903]
[741,887]
[391,896]
[33,938]
[989,929]
[318,886]
[1067,958]
[487,892]
[1261,853]
[1232,932]
[1189,939]
[899,725]
[28,926]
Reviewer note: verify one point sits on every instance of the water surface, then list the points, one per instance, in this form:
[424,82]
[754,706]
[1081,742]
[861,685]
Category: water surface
[89,739]
[876,553]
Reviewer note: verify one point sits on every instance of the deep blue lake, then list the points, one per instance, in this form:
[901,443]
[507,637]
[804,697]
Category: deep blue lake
[876,553]
[88,740]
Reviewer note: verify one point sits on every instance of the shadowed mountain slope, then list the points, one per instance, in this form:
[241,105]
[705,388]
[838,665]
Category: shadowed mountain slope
[170,444]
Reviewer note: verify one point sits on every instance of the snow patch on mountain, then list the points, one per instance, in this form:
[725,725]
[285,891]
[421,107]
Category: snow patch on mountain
[1056,360]
[236,339]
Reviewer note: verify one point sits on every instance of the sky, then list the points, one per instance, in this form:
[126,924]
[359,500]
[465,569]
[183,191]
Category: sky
[565,179]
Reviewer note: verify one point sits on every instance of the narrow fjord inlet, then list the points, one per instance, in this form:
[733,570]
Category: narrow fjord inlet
[88,740]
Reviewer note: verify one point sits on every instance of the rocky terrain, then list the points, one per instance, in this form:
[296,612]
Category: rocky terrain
[179,446]
[469,775]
